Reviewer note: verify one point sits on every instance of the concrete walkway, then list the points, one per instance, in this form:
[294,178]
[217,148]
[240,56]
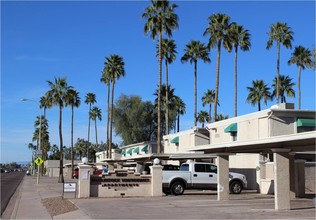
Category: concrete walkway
[26,204]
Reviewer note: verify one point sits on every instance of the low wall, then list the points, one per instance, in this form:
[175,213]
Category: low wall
[119,183]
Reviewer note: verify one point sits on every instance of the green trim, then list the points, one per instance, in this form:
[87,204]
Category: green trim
[124,151]
[136,150]
[304,122]
[175,140]
[145,148]
[130,151]
[231,128]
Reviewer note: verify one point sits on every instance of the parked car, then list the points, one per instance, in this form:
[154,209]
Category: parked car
[76,173]
[198,175]
[28,173]
[170,167]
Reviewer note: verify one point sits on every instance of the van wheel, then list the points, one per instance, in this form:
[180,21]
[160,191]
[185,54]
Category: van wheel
[177,188]
[235,187]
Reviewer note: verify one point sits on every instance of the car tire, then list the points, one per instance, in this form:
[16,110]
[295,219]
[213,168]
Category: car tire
[177,188]
[235,187]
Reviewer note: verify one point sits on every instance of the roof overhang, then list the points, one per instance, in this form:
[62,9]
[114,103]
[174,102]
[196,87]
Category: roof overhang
[299,142]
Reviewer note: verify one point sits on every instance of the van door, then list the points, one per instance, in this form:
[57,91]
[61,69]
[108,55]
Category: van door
[204,176]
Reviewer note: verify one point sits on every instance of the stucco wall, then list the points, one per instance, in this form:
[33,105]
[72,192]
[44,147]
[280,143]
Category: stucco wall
[281,126]
[246,164]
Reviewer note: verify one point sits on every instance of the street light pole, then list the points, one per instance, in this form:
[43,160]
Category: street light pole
[40,135]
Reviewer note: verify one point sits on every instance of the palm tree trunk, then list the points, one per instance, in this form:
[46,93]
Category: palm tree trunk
[299,87]
[111,118]
[96,132]
[210,113]
[235,82]
[88,133]
[61,171]
[167,99]
[195,93]
[108,124]
[72,141]
[217,78]
[259,106]
[159,95]
[178,129]
[278,75]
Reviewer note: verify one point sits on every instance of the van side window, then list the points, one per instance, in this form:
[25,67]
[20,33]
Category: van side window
[184,167]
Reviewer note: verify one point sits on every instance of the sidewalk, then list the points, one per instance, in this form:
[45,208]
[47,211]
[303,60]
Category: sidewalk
[27,204]
[27,201]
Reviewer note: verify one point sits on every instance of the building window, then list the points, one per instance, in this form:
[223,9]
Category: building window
[234,136]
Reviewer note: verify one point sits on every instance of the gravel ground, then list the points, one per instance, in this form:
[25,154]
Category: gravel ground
[58,205]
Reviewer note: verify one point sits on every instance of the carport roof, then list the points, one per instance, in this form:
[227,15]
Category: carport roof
[299,142]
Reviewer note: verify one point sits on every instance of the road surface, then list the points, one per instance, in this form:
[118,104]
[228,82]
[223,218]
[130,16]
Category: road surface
[9,183]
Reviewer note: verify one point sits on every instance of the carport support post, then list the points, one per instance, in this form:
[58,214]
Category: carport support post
[281,179]
[292,175]
[223,177]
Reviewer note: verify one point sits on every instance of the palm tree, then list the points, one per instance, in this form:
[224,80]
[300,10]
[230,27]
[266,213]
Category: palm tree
[240,38]
[286,87]
[166,105]
[257,92]
[168,48]
[302,57]
[160,18]
[209,98]
[90,100]
[221,117]
[180,108]
[218,27]
[203,117]
[58,95]
[114,68]
[73,100]
[193,51]
[41,132]
[282,34]
[107,80]
[95,114]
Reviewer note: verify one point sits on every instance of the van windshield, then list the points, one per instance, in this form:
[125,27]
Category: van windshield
[184,167]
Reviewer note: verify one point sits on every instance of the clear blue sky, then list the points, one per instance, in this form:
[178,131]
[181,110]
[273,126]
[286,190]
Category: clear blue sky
[42,40]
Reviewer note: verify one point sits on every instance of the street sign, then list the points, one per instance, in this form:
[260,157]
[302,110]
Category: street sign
[38,161]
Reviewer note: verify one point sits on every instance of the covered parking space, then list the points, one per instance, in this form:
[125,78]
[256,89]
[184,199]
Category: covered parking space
[283,149]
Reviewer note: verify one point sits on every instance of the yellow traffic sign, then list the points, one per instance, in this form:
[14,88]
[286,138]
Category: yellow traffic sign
[38,161]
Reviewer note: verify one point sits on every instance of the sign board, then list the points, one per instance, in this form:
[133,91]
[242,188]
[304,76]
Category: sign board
[38,161]
[70,187]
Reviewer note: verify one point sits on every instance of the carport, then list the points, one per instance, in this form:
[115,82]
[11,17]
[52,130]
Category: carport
[283,148]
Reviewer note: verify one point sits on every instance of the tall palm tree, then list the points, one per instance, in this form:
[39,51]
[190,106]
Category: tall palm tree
[218,28]
[286,87]
[73,99]
[166,105]
[257,92]
[114,68]
[180,108]
[203,117]
[95,114]
[302,57]
[160,18]
[58,95]
[105,78]
[194,51]
[239,38]
[90,100]
[168,48]
[281,34]
[209,99]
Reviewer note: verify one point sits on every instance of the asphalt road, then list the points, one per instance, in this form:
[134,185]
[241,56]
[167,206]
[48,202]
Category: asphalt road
[9,183]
